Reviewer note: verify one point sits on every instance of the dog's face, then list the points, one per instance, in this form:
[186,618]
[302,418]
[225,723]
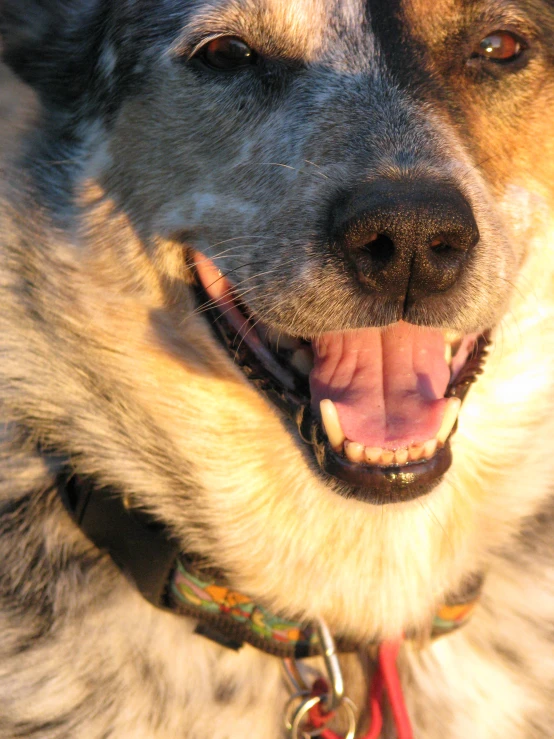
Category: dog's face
[322,169]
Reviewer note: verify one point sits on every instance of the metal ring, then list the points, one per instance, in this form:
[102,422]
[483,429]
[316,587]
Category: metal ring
[306,706]
[351,710]
[289,704]
[298,717]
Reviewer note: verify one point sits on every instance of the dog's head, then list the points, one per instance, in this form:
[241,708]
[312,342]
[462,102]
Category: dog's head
[354,188]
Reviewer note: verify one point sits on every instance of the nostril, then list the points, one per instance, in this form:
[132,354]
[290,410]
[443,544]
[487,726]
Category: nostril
[439,247]
[381,250]
[446,250]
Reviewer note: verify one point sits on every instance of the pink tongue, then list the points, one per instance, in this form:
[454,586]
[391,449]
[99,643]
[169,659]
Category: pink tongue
[388,384]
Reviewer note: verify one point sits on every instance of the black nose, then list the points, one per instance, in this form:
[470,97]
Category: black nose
[405,239]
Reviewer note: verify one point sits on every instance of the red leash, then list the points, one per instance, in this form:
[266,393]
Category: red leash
[388,652]
[385,679]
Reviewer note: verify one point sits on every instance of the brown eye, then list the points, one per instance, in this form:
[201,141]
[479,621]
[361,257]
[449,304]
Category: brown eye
[227,53]
[500,46]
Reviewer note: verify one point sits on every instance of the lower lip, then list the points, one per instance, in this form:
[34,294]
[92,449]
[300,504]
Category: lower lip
[380,485]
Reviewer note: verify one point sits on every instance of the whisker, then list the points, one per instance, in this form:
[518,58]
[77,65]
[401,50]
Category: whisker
[308,161]
[426,506]
[237,238]
[236,289]
[205,307]
[243,336]
[284,166]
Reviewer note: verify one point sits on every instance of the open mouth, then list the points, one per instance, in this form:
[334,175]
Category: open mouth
[377,406]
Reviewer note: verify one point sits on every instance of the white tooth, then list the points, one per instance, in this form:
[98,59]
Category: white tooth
[303,360]
[281,341]
[448,353]
[387,457]
[449,419]
[415,452]
[354,451]
[451,337]
[373,454]
[429,448]
[401,456]
[331,423]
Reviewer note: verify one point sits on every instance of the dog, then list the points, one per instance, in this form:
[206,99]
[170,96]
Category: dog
[277,306]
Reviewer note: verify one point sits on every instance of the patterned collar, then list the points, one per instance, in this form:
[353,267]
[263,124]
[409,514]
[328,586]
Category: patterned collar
[203,594]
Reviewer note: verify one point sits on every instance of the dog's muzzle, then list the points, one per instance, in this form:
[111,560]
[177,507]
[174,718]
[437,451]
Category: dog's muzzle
[377,407]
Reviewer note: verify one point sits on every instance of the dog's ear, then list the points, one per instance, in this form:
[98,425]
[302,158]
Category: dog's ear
[50,44]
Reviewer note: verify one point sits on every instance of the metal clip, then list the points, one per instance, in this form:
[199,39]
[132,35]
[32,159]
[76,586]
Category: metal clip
[303,698]
[332,666]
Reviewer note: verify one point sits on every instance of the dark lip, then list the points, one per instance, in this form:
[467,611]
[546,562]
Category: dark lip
[380,485]
[367,483]
[371,483]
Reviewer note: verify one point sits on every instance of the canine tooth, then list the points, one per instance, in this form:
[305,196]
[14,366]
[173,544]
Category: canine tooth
[331,424]
[401,456]
[387,457]
[449,419]
[429,448]
[415,452]
[373,454]
[354,451]
[303,360]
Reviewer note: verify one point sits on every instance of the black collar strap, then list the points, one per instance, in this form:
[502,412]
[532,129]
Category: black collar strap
[141,547]
[138,545]
[170,580]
